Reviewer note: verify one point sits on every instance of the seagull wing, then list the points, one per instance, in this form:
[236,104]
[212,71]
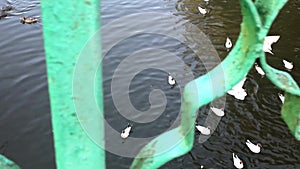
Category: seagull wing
[268,41]
[217,111]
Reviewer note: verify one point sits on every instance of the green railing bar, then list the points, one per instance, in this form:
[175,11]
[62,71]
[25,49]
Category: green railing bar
[67,25]
[291,113]
[5,163]
[281,79]
[290,110]
[192,100]
[257,20]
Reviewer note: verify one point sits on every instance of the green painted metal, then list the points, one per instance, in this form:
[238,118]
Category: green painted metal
[65,35]
[291,113]
[5,163]
[281,79]
[290,110]
[257,20]
[67,25]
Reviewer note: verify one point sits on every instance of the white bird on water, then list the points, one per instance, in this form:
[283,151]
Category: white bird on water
[268,41]
[237,162]
[125,132]
[171,80]
[228,43]
[203,11]
[254,148]
[288,65]
[259,70]
[203,130]
[237,91]
[218,112]
[281,97]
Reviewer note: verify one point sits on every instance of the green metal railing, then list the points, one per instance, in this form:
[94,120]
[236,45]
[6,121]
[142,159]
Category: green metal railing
[257,20]
[67,25]
[7,164]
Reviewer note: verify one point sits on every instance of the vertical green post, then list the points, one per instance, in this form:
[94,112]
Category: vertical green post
[67,25]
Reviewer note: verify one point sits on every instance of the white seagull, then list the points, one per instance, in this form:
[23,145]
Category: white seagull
[268,41]
[203,11]
[203,130]
[237,91]
[254,148]
[259,70]
[238,163]
[288,65]
[125,132]
[228,43]
[171,80]
[281,97]
[218,112]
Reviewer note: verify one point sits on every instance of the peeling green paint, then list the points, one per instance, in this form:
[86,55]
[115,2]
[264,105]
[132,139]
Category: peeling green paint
[67,25]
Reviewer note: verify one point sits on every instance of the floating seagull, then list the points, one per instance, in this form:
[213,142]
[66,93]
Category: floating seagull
[218,112]
[254,148]
[259,69]
[203,11]
[237,91]
[288,65]
[126,131]
[228,43]
[171,80]
[203,130]
[240,95]
[268,41]
[238,163]
[281,97]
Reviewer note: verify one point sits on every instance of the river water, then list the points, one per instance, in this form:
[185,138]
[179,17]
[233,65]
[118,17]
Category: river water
[26,133]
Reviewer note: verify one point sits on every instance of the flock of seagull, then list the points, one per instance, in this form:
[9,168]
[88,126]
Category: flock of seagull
[268,41]
[237,92]
[237,162]
[255,148]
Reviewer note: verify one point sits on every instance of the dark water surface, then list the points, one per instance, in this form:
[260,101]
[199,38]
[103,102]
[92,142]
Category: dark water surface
[26,134]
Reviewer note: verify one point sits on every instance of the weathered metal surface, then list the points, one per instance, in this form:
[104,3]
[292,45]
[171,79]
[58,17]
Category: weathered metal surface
[7,164]
[257,19]
[67,25]
[65,36]
[291,113]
